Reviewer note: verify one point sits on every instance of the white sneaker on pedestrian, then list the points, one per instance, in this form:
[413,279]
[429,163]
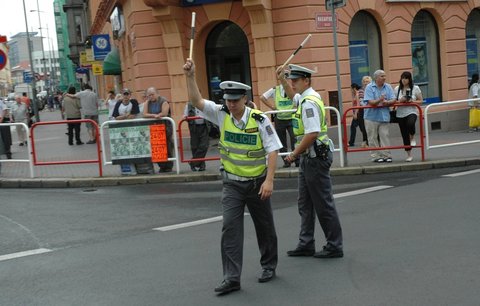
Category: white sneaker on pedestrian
[409,159]
[413,143]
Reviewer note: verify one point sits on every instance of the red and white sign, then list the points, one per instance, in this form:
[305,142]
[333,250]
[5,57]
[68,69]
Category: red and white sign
[3,59]
[324,20]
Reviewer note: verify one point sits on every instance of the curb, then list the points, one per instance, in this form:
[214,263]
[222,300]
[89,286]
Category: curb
[185,178]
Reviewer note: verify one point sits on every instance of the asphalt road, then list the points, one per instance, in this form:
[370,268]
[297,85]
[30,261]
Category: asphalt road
[412,243]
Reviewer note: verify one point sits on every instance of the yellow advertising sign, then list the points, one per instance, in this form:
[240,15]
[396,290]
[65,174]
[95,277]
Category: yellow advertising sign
[89,54]
[83,60]
[97,68]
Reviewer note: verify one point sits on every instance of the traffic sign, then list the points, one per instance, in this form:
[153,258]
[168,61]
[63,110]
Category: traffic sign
[3,59]
[27,77]
[330,4]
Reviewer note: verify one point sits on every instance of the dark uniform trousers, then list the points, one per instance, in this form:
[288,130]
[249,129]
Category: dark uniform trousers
[315,196]
[198,142]
[235,195]
[282,127]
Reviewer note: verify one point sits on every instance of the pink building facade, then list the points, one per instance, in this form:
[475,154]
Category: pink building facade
[438,41]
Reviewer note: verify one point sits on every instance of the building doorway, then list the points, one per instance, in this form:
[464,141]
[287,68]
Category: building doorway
[227,58]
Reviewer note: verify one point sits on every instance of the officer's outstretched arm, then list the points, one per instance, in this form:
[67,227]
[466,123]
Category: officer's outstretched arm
[267,187]
[193,92]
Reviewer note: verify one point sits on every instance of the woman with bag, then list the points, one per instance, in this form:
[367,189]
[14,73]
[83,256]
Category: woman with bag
[408,94]
[473,93]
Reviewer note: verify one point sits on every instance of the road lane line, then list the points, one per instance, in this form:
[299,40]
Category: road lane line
[189,224]
[219,218]
[361,191]
[23,254]
[461,173]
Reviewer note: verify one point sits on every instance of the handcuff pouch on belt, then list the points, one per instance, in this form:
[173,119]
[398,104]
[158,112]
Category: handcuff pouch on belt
[321,150]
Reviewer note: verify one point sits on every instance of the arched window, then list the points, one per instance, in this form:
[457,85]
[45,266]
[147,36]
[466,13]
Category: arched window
[473,42]
[364,46]
[425,58]
[227,57]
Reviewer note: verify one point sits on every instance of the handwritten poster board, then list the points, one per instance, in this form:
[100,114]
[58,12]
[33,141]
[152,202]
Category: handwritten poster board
[158,142]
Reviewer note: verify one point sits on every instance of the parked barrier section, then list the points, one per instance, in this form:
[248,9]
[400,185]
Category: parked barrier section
[427,138]
[147,137]
[66,162]
[29,146]
[420,120]
[180,136]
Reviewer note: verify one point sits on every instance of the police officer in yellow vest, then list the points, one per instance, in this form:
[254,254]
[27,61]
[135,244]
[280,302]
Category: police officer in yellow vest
[283,121]
[315,186]
[249,150]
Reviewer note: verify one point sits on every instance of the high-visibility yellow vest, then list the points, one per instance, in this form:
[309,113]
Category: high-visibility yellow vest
[298,128]
[282,103]
[241,150]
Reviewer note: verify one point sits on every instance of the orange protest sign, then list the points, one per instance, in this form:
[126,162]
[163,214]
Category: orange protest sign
[158,143]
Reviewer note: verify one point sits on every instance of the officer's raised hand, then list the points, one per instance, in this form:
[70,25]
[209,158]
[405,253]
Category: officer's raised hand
[189,68]
[194,95]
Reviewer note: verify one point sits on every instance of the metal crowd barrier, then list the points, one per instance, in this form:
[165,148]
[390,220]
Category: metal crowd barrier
[67,162]
[107,124]
[427,137]
[29,146]
[180,136]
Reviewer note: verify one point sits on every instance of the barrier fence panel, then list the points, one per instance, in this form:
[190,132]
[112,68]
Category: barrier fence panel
[340,145]
[67,162]
[420,121]
[180,136]
[29,146]
[112,123]
[427,136]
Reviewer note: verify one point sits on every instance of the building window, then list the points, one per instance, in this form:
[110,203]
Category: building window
[473,42]
[425,57]
[79,34]
[364,46]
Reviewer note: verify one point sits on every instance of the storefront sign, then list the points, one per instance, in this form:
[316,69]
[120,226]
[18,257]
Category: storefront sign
[359,65]
[158,141]
[419,61]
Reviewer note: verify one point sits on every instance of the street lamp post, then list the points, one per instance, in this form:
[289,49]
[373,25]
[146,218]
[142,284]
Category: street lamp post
[34,84]
[43,49]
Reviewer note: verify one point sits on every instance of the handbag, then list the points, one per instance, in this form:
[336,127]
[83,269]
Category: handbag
[474,118]
[393,112]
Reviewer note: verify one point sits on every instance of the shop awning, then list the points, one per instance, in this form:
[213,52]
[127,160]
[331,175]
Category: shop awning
[111,63]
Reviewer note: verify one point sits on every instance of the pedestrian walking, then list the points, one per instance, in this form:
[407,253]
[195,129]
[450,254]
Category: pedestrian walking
[20,115]
[89,102]
[474,113]
[71,109]
[6,135]
[199,139]
[248,151]
[357,116]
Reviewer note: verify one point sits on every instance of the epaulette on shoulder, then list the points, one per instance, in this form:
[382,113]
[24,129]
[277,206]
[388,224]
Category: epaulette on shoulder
[225,109]
[259,117]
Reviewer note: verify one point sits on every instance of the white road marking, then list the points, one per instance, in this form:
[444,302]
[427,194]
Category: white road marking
[23,254]
[219,218]
[188,224]
[361,191]
[461,173]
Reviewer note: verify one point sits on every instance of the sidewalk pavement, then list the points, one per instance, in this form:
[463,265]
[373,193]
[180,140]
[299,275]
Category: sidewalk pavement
[51,145]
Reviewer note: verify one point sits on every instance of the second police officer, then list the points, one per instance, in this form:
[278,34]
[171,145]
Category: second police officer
[314,183]
[248,151]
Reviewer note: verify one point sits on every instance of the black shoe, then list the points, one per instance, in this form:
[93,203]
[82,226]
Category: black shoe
[9,155]
[165,170]
[79,143]
[329,253]
[227,286]
[70,143]
[21,144]
[301,252]
[267,275]
[91,142]
[193,168]
[202,168]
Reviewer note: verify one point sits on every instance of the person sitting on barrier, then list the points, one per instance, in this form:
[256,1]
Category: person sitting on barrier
[409,94]
[199,139]
[158,107]
[20,115]
[474,93]
[377,119]
[71,108]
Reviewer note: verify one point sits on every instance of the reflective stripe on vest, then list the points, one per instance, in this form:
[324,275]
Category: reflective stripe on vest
[299,129]
[282,103]
[241,150]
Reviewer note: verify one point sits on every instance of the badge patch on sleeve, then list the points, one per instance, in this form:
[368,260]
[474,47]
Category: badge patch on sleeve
[269,130]
[309,112]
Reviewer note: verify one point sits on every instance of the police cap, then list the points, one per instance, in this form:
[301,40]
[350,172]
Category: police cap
[297,71]
[233,90]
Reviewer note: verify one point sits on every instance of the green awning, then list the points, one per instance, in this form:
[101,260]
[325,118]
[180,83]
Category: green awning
[111,63]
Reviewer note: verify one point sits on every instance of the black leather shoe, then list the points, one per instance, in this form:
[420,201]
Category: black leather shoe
[267,275]
[79,143]
[301,252]
[227,286]
[329,253]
